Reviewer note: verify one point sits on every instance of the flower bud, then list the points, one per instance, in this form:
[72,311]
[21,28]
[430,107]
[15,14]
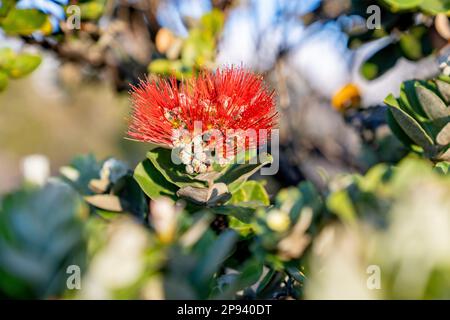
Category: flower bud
[163,217]
[278,220]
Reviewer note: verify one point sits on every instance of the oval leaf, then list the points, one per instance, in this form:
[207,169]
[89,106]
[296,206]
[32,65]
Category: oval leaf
[431,103]
[24,64]
[152,182]
[444,89]
[176,174]
[251,192]
[23,21]
[409,125]
[236,174]
[214,256]
[443,138]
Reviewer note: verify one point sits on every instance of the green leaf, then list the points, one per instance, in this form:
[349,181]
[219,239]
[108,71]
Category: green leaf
[444,89]
[6,6]
[251,192]
[445,154]
[409,101]
[131,196]
[108,215]
[415,43]
[295,273]
[249,274]
[91,10]
[176,174]
[431,103]
[214,257]
[340,203]
[310,197]
[213,22]
[293,200]
[255,191]
[198,48]
[381,62]
[236,174]
[398,5]
[411,47]
[443,138]
[242,212]
[442,167]
[244,229]
[435,7]
[86,168]
[409,125]
[373,178]
[166,67]
[23,21]
[23,65]
[432,7]
[271,277]
[152,182]
[238,196]
[7,56]
[18,65]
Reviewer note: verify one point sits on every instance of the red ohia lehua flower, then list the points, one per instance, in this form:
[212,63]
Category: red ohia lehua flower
[230,101]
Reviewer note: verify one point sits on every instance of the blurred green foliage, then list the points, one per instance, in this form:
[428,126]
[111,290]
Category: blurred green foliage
[27,22]
[14,66]
[91,10]
[22,22]
[394,241]
[413,37]
[428,6]
[41,235]
[249,247]
[196,51]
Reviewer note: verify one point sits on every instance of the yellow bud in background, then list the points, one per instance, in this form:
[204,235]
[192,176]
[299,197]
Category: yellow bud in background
[164,40]
[347,97]
[278,220]
[47,28]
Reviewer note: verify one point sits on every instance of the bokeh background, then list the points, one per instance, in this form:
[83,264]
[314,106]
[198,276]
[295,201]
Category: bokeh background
[331,73]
